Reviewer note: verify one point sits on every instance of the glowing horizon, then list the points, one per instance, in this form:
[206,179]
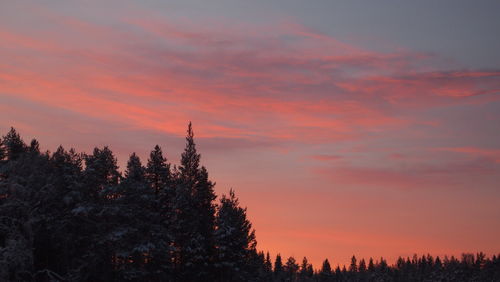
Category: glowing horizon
[338,143]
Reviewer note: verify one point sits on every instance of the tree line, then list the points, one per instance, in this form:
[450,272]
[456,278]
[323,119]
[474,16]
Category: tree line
[69,216]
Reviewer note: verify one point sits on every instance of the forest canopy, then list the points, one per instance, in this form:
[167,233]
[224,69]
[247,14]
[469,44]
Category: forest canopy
[70,216]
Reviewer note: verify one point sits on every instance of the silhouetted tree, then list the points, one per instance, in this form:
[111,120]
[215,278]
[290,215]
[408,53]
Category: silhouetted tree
[291,269]
[325,273]
[158,172]
[306,270]
[100,179]
[278,268]
[13,144]
[235,240]
[160,180]
[195,216]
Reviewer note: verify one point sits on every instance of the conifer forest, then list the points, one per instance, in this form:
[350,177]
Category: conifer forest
[71,216]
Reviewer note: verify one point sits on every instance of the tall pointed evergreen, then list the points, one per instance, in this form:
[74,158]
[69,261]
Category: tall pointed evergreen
[101,171]
[13,144]
[325,273]
[161,182]
[100,180]
[306,270]
[194,219]
[278,268]
[291,269]
[134,226]
[158,171]
[235,240]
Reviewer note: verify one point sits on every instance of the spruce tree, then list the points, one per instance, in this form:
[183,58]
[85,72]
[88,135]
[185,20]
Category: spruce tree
[267,268]
[34,147]
[278,268]
[158,171]
[235,240]
[160,181]
[100,179]
[135,223]
[194,218]
[353,267]
[13,144]
[24,180]
[268,264]
[325,273]
[56,244]
[291,268]
[306,270]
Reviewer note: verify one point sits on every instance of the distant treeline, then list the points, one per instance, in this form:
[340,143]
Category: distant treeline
[68,216]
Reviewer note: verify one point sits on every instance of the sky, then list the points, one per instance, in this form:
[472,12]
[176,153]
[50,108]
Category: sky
[367,128]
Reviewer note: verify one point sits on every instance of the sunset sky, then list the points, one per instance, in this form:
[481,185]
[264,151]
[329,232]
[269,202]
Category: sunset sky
[346,127]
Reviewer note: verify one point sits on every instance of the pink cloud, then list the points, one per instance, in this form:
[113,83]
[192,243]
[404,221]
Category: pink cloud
[325,157]
[493,154]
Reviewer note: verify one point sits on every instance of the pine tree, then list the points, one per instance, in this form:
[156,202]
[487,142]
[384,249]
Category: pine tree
[371,265]
[194,219]
[268,264]
[325,273]
[353,267]
[101,172]
[338,274]
[291,268]
[278,268]
[23,182]
[134,226]
[100,179]
[158,171]
[235,240]
[362,265]
[13,144]
[362,270]
[58,233]
[34,147]
[160,180]
[306,270]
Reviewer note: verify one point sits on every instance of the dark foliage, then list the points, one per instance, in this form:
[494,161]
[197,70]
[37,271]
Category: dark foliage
[66,216]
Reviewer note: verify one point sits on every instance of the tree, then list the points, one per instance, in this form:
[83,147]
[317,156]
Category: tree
[24,184]
[291,268]
[59,233]
[158,171]
[194,219]
[268,264]
[101,172]
[306,270]
[353,268]
[362,265]
[160,180]
[267,269]
[14,145]
[235,240]
[325,273]
[278,268]
[371,265]
[34,147]
[127,234]
[100,179]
